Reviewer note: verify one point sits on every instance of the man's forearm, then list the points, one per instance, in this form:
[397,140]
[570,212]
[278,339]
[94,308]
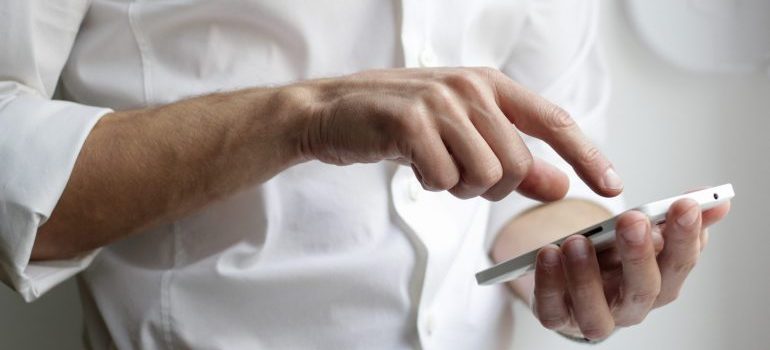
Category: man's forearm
[143,167]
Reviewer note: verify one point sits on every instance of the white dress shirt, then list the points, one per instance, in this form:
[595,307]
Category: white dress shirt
[320,256]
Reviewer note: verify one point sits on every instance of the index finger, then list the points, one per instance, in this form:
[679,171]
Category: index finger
[537,117]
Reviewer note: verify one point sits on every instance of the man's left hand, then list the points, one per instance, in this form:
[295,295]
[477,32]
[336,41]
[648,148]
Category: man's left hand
[584,294]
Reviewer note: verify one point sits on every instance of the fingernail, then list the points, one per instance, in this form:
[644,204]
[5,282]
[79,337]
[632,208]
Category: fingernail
[578,247]
[634,234]
[549,257]
[611,180]
[688,218]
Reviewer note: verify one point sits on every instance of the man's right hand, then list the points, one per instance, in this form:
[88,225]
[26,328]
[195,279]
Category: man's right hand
[457,127]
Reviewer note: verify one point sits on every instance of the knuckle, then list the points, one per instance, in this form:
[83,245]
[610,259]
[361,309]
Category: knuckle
[557,118]
[597,331]
[668,298]
[553,322]
[466,81]
[442,182]
[547,294]
[582,291]
[487,175]
[514,173]
[414,122]
[638,256]
[414,110]
[497,195]
[462,75]
[683,267]
[685,236]
[462,191]
[590,155]
[439,93]
[487,71]
[644,297]
[520,166]
[491,75]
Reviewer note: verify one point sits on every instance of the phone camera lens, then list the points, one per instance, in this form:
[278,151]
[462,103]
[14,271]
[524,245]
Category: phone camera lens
[716,196]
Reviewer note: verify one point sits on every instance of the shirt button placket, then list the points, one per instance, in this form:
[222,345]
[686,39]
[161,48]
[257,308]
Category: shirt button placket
[430,325]
[428,58]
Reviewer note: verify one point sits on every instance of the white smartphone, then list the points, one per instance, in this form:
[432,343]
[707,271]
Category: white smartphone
[602,235]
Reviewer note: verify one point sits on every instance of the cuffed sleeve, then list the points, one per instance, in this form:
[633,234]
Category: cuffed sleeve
[40,138]
[563,64]
[39,143]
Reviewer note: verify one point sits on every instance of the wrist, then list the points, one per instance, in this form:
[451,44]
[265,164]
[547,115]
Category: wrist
[297,108]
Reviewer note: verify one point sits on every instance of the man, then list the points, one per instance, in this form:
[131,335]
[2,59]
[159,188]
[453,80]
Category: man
[195,177]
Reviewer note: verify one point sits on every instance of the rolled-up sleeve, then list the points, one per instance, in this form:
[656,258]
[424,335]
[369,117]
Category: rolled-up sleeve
[559,58]
[40,138]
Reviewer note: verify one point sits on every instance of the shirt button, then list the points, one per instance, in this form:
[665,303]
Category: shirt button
[428,58]
[430,325]
[414,191]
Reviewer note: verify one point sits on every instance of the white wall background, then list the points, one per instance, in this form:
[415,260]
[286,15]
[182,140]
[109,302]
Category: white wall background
[671,130]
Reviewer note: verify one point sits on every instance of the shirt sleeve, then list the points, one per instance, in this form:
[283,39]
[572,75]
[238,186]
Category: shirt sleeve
[559,58]
[40,138]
